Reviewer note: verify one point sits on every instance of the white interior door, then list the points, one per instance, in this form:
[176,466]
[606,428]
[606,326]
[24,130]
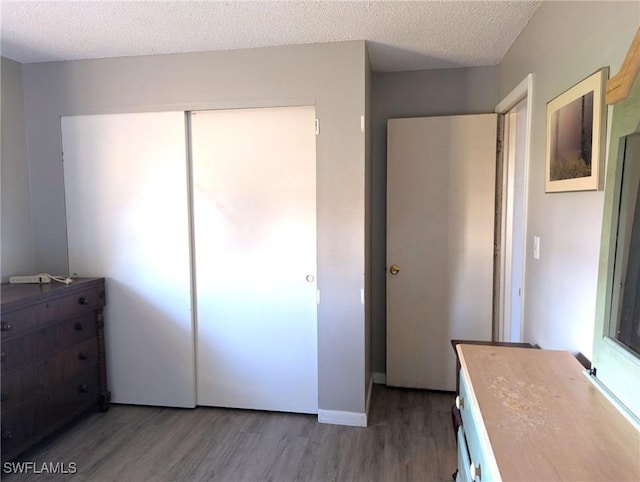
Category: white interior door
[440,219]
[254,204]
[127,220]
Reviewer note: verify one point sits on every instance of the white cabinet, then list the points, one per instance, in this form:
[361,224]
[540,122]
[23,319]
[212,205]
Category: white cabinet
[473,449]
[534,415]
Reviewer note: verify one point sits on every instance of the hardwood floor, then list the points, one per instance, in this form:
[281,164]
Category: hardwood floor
[409,438]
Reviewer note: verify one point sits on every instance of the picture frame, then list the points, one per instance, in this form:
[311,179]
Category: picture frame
[575,136]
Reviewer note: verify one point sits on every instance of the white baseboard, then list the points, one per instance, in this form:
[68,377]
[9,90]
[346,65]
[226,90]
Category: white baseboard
[338,417]
[353,419]
[380,378]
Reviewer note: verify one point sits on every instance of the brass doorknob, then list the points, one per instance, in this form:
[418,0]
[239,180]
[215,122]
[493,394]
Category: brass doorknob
[394,269]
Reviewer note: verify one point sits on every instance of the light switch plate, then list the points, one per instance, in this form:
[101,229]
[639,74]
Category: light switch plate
[536,247]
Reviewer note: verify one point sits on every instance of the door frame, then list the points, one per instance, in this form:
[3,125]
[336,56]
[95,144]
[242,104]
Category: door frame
[503,331]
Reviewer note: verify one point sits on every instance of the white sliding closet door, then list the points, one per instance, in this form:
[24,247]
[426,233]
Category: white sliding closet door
[254,207]
[127,220]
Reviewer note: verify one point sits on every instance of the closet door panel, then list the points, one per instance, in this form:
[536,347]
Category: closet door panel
[254,207]
[127,220]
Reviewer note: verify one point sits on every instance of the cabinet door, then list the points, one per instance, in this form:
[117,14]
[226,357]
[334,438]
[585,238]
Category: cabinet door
[127,220]
[254,175]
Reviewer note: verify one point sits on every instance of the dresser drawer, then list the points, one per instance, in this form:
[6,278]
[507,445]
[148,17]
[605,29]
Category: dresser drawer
[74,397]
[19,426]
[41,343]
[70,363]
[21,321]
[40,416]
[18,322]
[478,449]
[464,462]
[88,299]
[26,349]
[21,385]
[39,379]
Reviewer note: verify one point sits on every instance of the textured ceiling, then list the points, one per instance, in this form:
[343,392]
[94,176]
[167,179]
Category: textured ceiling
[402,35]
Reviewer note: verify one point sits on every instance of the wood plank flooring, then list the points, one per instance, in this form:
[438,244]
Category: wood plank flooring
[409,438]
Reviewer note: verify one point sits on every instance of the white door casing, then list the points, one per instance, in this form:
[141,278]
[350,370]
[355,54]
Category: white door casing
[513,246]
[513,222]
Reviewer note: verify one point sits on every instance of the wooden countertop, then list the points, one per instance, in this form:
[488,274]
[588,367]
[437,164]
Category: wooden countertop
[545,420]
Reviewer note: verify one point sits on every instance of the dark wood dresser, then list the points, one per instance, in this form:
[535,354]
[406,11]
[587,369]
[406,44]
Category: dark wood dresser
[53,358]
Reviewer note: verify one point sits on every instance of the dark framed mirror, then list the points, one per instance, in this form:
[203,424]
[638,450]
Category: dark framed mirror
[625,309]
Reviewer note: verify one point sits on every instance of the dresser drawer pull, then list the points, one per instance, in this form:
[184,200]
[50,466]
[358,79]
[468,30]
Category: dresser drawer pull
[83,300]
[4,326]
[7,435]
[459,402]
[78,326]
[4,396]
[82,356]
[475,471]
[83,388]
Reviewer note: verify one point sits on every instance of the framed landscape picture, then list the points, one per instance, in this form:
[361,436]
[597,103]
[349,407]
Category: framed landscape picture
[575,136]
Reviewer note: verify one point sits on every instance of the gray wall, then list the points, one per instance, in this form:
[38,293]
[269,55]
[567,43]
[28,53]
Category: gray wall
[17,238]
[563,43]
[413,94]
[329,76]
